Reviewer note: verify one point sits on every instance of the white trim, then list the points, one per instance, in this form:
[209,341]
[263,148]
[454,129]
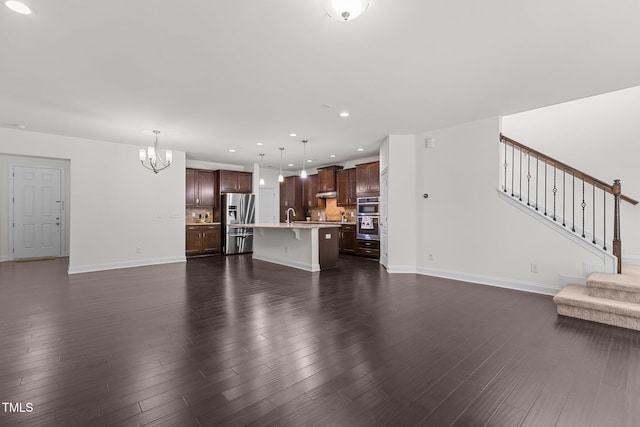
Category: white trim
[4,258]
[401,269]
[518,285]
[609,260]
[299,265]
[125,264]
[631,260]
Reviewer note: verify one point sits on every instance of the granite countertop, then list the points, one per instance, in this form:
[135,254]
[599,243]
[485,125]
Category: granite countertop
[203,223]
[295,225]
[326,222]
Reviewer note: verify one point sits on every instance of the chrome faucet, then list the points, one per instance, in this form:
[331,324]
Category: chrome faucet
[294,215]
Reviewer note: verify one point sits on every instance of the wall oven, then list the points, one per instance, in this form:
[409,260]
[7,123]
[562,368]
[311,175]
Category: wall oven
[368,220]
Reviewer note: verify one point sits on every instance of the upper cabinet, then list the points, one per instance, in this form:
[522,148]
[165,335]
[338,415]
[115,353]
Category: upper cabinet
[368,179]
[310,189]
[235,182]
[200,189]
[327,178]
[346,183]
[291,197]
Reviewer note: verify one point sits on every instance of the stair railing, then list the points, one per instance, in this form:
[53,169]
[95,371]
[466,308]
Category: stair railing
[550,188]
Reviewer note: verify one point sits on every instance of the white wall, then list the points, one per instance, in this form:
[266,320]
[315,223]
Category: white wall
[598,135]
[116,206]
[5,163]
[466,231]
[402,203]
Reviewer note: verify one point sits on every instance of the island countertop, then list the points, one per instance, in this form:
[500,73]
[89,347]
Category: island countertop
[291,226]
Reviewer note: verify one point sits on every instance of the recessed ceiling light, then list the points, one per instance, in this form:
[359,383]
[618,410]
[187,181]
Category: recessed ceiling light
[360,149]
[290,164]
[309,161]
[259,143]
[344,114]
[293,134]
[231,150]
[18,7]
[333,155]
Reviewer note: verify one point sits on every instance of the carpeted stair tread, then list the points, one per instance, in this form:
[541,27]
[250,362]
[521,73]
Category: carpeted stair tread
[628,281]
[574,301]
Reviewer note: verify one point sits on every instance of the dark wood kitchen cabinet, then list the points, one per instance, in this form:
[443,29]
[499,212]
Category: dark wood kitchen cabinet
[368,248]
[368,179]
[327,178]
[348,238]
[291,197]
[234,181]
[200,191]
[310,189]
[346,183]
[203,239]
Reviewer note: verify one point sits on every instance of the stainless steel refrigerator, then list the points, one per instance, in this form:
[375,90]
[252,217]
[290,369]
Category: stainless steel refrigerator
[237,209]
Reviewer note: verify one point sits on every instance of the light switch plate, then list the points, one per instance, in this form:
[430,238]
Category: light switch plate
[327,236]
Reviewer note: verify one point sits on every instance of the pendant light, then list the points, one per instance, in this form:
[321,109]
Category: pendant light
[260,170]
[280,177]
[303,174]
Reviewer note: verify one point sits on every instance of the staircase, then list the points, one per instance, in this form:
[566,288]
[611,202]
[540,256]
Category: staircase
[587,210]
[613,299]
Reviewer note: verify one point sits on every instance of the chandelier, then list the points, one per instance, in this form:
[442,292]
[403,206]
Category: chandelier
[151,158]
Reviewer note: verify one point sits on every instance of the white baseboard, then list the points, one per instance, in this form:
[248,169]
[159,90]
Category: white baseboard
[519,285]
[631,260]
[4,258]
[567,279]
[124,264]
[401,269]
[302,266]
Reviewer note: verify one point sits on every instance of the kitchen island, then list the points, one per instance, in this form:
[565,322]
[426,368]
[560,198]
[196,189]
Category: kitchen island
[310,247]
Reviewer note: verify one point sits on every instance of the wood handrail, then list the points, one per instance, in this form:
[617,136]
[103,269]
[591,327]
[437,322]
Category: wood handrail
[566,168]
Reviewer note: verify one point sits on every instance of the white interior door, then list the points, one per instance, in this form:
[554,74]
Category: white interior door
[267,214]
[384,215]
[37,212]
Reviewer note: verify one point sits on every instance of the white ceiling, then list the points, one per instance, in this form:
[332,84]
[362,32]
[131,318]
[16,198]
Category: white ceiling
[214,75]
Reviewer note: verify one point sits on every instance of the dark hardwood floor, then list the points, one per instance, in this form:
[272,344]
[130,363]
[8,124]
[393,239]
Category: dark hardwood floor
[231,341]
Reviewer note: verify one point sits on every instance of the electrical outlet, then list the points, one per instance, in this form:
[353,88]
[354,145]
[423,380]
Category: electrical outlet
[138,250]
[534,268]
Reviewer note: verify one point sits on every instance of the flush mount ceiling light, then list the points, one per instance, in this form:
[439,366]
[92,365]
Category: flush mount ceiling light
[293,134]
[344,114]
[151,157]
[280,177]
[231,150]
[345,10]
[259,143]
[303,173]
[18,7]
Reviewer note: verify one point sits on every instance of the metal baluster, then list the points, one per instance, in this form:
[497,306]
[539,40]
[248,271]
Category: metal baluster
[505,168]
[584,205]
[537,161]
[593,197]
[573,205]
[520,176]
[555,191]
[564,198]
[604,223]
[545,188]
[528,176]
[513,170]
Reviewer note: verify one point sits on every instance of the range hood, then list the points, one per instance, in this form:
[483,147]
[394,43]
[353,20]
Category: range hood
[327,195]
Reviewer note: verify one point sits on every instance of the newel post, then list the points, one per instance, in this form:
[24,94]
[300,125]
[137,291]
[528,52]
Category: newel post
[617,243]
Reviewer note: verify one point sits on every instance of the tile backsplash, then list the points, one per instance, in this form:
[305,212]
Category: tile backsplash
[195,215]
[333,212]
